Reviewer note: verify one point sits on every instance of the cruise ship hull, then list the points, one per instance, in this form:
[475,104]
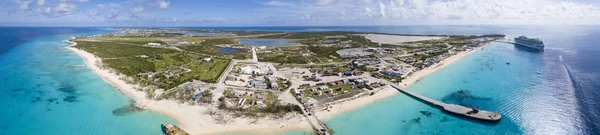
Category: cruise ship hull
[533,43]
[541,49]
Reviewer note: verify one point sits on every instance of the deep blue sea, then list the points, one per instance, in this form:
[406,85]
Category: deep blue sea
[553,92]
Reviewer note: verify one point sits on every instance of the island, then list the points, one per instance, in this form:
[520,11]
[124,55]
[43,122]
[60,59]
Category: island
[264,82]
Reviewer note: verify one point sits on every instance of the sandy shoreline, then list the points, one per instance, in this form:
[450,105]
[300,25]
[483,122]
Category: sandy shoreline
[194,119]
[350,105]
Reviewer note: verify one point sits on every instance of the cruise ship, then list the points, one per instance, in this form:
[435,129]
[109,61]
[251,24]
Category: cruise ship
[533,43]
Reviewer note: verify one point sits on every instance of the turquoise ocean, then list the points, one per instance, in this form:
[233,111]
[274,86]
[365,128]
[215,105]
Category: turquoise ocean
[44,91]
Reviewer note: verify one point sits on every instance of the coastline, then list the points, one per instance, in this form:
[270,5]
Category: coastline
[191,118]
[194,120]
[358,103]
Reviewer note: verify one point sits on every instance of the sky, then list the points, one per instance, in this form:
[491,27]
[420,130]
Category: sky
[297,12]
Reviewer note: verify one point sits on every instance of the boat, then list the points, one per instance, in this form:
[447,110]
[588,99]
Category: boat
[507,62]
[171,129]
[533,43]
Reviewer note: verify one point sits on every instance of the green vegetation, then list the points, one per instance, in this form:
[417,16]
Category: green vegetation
[386,77]
[324,51]
[206,97]
[208,47]
[345,87]
[160,67]
[304,35]
[130,66]
[236,32]
[114,50]
[206,71]
[281,58]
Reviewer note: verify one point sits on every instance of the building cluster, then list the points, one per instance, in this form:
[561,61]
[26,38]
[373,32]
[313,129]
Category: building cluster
[175,42]
[255,76]
[248,99]
[334,88]
[354,53]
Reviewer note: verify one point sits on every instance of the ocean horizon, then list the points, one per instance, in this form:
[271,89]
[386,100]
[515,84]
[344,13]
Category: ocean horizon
[47,91]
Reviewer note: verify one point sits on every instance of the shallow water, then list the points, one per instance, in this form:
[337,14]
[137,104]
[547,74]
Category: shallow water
[531,103]
[43,93]
[228,50]
[46,91]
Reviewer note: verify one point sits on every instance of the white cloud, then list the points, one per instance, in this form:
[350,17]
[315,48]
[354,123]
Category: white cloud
[41,2]
[114,13]
[64,8]
[277,3]
[382,10]
[324,2]
[164,4]
[23,4]
[439,10]
[137,9]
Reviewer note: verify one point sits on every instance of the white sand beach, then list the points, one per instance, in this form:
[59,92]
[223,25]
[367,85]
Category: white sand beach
[350,105]
[196,119]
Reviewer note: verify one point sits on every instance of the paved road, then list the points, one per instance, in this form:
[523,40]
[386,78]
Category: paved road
[254,56]
[220,82]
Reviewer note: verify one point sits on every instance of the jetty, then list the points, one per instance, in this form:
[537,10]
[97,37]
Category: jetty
[170,129]
[473,113]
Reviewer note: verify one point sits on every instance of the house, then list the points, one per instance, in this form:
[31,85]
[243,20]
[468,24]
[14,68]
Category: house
[348,73]
[274,86]
[260,103]
[143,56]
[197,96]
[392,73]
[207,59]
[153,44]
[258,84]
[260,96]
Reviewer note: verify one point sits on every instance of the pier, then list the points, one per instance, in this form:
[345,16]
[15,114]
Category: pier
[505,41]
[453,108]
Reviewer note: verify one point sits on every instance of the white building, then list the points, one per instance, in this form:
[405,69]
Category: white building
[153,44]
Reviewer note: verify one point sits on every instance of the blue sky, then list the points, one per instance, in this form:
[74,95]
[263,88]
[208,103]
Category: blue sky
[296,12]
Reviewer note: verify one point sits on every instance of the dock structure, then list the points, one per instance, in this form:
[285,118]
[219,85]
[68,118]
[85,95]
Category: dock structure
[453,108]
[170,129]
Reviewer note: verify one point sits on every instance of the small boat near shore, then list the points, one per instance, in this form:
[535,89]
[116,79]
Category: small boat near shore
[171,129]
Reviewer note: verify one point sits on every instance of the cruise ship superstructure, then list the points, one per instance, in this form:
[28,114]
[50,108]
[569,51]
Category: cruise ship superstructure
[533,43]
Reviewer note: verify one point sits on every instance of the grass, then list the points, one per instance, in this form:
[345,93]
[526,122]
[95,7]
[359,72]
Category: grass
[130,66]
[170,67]
[206,71]
[113,50]
[345,87]
[281,58]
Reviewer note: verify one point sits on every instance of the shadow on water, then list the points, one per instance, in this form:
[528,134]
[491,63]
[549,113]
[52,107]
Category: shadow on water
[71,92]
[525,49]
[127,109]
[464,98]
[456,96]
[163,129]
[482,122]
